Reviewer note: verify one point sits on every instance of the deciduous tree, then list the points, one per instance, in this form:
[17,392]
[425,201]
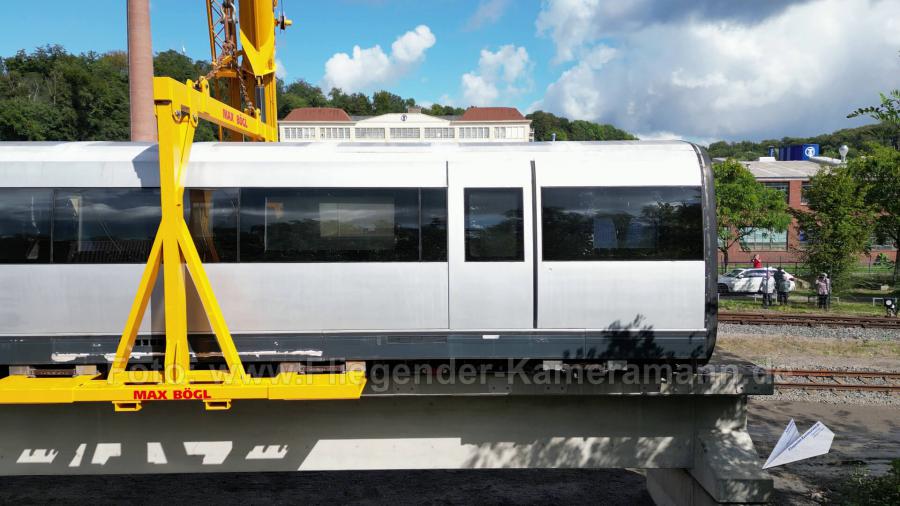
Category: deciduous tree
[838,224]
[743,204]
[880,171]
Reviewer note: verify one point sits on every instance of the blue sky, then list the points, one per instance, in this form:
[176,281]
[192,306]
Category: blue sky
[697,69]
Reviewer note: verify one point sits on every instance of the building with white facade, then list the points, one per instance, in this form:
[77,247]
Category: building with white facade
[477,124]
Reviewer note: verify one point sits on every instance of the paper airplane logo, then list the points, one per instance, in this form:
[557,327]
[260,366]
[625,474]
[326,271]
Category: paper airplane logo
[792,447]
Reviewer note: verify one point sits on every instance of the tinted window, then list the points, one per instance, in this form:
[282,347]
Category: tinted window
[330,225]
[622,223]
[434,224]
[104,225]
[494,224]
[212,217]
[25,226]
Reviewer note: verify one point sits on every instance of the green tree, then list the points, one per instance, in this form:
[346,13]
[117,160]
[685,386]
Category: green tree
[385,102]
[443,110]
[742,204]
[887,112]
[880,170]
[838,224]
[546,124]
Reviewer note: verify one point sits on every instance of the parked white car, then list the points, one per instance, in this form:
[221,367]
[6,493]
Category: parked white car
[748,280]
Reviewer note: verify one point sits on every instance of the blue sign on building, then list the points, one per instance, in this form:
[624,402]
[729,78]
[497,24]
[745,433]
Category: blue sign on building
[798,152]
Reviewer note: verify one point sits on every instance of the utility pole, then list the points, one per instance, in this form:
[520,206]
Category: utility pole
[140,72]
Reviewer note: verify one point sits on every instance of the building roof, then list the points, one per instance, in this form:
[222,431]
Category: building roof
[492,114]
[472,114]
[795,169]
[323,114]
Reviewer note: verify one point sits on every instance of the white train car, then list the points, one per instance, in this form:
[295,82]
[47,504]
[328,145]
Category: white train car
[574,251]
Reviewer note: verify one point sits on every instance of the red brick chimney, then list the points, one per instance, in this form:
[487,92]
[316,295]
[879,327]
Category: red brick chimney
[140,71]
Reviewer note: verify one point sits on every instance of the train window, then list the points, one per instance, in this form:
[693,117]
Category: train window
[212,217]
[622,223]
[113,225]
[330,225]
[25,226]
[433,224]
[494,226]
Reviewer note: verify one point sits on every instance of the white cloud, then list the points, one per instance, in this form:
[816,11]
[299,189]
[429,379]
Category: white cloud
[411,46]
[280,71]
[573,24]
[798,70]
[479,91]
[488,13]
[507,70]
[370,67]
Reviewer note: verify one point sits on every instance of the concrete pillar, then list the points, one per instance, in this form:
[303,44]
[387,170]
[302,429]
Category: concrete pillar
[140,71]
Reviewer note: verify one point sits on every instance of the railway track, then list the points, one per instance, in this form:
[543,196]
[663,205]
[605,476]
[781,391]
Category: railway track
[821,379]
[808,320]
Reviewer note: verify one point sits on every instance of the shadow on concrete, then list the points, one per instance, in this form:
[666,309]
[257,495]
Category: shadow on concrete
[507,486]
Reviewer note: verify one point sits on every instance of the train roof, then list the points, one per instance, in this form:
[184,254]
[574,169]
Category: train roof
[113,164]
[248,151]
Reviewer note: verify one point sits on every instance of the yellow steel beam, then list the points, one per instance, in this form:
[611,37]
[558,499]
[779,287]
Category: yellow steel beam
[179,107]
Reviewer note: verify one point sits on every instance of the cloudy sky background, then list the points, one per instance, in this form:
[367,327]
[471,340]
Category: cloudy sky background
[698,69]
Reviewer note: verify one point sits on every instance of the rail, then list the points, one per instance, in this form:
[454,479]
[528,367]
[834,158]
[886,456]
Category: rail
[823,379]
[808,320]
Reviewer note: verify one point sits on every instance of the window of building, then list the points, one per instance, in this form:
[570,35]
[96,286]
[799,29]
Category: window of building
[110,225]
[881,243]
[622,223]
[509,132]
[764,239]
[332,133]
[494,224]
[405,133]
[343,225]
[25,225]
[474,132]
[783,187]
[212,218]
[804,188]
[304,133]
[439,133]
[369,133]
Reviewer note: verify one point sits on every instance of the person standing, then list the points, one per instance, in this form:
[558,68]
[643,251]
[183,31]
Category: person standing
[828,289]
[757,263]
[782,285]
[767,288]
[822,286]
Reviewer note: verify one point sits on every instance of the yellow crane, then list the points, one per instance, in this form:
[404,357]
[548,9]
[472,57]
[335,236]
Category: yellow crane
[242,42]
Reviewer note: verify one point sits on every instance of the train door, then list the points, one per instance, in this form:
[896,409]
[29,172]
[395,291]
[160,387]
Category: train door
[491,242]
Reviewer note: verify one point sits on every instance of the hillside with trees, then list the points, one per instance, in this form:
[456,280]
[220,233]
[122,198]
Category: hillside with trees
[857,139]
[50,94]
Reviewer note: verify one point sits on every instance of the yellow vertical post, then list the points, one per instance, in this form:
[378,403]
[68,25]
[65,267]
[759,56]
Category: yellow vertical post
[176,132]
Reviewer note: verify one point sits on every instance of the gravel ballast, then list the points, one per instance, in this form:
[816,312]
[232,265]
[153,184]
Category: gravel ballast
[804,331]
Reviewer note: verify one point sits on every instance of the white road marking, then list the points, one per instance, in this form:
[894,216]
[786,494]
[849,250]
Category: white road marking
[269,452]
[155,454]
[214,452]
[79,454]
[37,456]
[105,451]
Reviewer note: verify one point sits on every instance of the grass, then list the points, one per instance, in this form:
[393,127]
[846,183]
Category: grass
[797,305]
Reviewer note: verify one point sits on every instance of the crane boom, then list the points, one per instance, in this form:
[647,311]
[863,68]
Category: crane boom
[244,58]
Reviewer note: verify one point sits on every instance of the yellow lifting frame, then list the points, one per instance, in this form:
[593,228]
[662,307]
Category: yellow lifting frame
[179,107]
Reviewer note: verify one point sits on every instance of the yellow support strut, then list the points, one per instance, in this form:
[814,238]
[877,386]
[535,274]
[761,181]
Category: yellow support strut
[179,107]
